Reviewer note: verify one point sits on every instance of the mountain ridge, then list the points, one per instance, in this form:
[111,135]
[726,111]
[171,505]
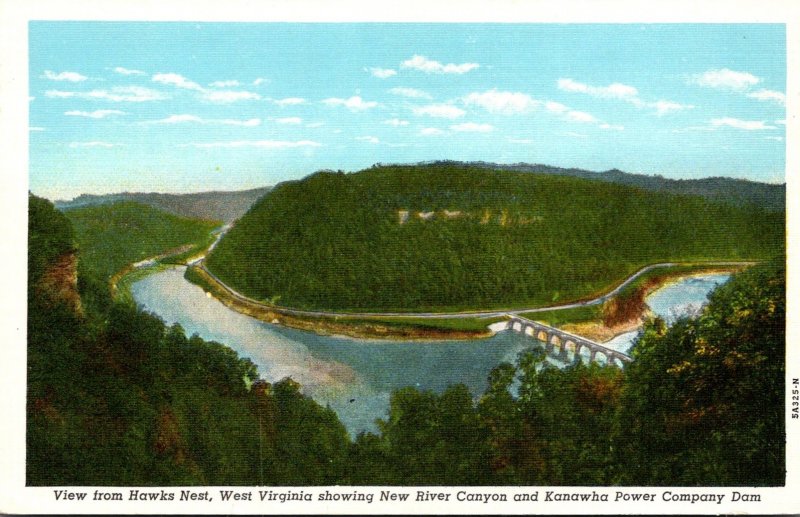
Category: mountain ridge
[222,205]
[454,237]
[737,191]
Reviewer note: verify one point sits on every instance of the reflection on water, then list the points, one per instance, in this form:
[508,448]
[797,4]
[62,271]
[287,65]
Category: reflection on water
[354,376]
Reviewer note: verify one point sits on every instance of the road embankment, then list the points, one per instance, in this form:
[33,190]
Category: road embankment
[389,327]
[620,310]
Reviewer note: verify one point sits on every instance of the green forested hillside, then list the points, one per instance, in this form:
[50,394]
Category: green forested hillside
[701,404]
[448,236]
[115,397]
[111,236]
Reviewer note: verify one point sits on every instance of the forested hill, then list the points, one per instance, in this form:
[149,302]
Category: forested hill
[458,236]
[116,398]
[723,189]
[221,206]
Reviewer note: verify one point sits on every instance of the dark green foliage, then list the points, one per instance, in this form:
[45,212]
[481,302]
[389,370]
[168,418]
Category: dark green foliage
[117,398]
[703,403]
[113,236]
[335,241]
[50,236]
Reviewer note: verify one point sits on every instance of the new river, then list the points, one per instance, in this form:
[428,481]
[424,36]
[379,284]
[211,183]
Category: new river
[355,377]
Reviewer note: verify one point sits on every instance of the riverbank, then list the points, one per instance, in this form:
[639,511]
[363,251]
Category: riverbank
[120,282]
[628,311]
[623,312]
[390,327]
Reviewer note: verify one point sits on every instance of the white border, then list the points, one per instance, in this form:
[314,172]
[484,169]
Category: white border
[14,17]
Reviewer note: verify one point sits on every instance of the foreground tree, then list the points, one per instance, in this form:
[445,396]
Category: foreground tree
[703,400]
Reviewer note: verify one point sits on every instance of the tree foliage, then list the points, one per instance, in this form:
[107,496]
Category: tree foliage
[449,236]
[116,397]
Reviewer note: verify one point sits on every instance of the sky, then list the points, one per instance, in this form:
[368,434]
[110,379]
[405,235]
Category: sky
[188,107]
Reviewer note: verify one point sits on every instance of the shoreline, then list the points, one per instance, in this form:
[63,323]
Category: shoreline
[597,330]
[341,326]
[382,328]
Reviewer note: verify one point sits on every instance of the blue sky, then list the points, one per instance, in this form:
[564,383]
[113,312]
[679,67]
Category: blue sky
[181,107]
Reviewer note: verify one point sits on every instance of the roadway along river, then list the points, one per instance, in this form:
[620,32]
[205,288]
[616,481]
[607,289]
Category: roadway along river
[356,376]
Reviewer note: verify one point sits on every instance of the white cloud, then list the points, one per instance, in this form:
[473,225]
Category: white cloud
[749,125]
[370,139]
[430,66]
[58,94]
[72,77]
[127,71]
[226,96]
[622,92]
[612,91]
[431,131]
[781,122]
[396,122]
[382,73]
[178,81]
[36,128]
[264,144]
[769,95]
[289,120]
[472,127]
[94,114]
[116,94]
[439,111]
[232,83]
[664,107]
[505,103]
[555,107]
[412,93]
[260,81]
[289,101]
[244,123]
[693,128]
[580,116]
[355,103]
[776,138]
[91,144]
[315,124]
[725,79]
[179,119]
[612,127]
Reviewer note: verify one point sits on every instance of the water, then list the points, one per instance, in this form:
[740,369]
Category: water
[354,376]
[684,297]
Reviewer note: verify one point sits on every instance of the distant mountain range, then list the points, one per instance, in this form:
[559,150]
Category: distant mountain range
[228,206]
[217,205]
[736,191]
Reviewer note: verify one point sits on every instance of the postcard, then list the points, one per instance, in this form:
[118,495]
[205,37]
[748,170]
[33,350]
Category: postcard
[506,258]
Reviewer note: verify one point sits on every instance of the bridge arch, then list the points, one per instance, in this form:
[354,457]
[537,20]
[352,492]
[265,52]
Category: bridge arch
[569,346]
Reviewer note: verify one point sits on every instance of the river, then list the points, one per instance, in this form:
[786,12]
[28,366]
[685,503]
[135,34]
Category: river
[355,377]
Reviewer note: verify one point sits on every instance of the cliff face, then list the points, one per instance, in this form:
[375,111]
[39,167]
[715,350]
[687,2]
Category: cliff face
[59,283]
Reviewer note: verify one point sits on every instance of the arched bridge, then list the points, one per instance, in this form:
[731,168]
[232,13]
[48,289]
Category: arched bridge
[569,345]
